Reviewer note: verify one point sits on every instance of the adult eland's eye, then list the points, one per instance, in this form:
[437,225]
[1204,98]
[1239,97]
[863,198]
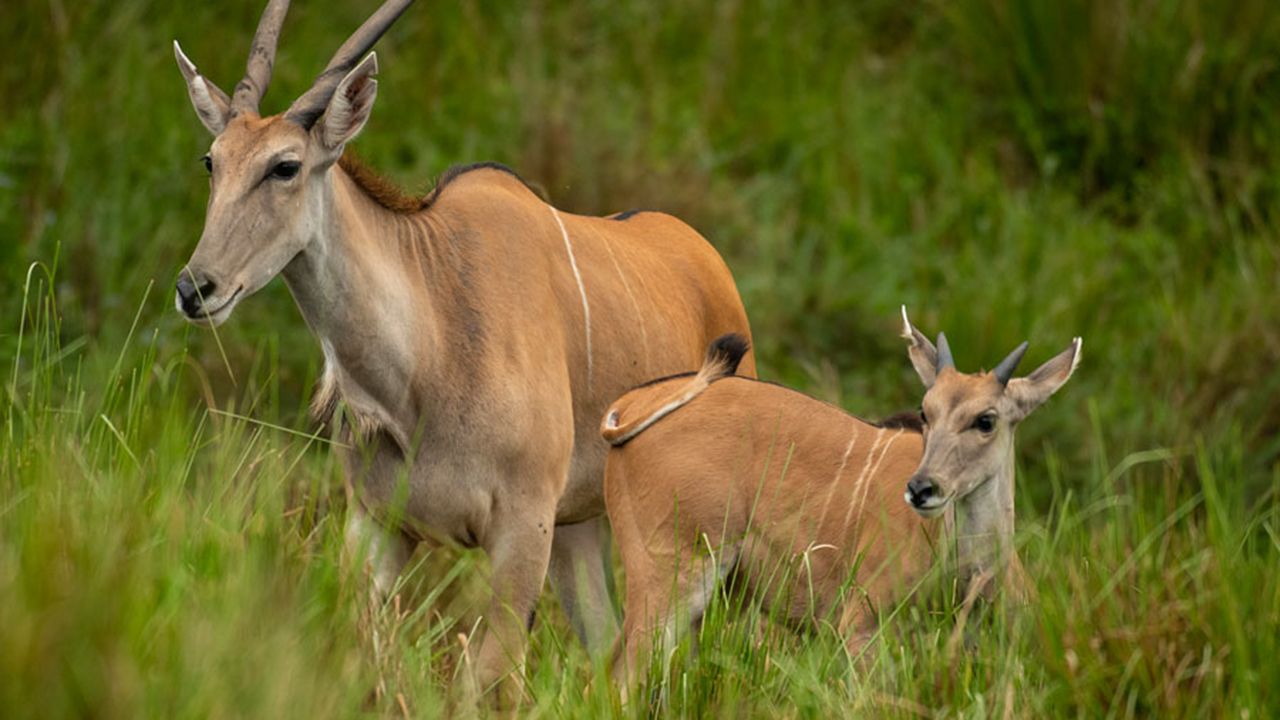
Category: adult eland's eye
[285,170]
[208,163]
[985,423]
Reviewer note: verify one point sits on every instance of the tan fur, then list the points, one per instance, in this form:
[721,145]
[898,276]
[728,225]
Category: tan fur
[455,332]
[797,499]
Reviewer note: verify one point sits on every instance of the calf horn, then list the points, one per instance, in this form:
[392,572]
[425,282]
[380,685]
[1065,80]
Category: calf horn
[944,353]
[1004,371]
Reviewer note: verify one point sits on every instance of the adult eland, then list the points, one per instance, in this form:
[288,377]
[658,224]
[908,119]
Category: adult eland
[473,337]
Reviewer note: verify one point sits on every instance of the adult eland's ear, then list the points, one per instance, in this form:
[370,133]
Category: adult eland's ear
[1031,391]
[349,108]
[924,356]
[213,107]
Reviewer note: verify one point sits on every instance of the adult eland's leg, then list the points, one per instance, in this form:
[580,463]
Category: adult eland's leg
[579,562]
[383,552]
[519,549]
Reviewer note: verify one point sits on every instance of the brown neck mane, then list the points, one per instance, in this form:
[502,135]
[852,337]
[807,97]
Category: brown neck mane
[379,189]
[390,197]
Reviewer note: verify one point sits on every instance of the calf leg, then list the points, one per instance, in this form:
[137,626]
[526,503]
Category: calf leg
[859,626]
[649,595]
[579,561]
[665,598]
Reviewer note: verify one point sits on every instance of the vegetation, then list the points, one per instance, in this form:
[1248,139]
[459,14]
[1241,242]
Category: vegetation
[1009,169]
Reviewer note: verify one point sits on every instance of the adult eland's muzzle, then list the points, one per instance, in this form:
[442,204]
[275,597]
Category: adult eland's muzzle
[192,292]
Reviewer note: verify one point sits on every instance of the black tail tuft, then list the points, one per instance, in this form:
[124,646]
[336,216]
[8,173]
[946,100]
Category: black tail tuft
[727,351]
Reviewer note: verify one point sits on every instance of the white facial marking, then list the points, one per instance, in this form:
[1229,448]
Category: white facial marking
[933,507]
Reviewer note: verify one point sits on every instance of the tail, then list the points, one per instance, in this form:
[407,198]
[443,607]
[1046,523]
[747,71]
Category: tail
[630,416]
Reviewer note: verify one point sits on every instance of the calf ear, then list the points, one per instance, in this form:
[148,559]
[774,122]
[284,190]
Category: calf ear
[350,105]
[924,356]
[213,107]
[1030,391]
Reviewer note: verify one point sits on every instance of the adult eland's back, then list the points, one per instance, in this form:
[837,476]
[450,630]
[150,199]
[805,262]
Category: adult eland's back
[473,336]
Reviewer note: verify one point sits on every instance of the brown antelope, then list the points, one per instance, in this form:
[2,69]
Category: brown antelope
[711,475]
[474,336]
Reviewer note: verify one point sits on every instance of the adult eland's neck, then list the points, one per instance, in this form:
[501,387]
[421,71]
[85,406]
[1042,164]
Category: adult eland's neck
[354,293]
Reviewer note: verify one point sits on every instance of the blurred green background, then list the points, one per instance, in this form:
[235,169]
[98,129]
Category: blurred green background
[1008,169]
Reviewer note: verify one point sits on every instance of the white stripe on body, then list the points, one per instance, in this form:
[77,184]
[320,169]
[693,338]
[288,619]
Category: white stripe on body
[868,475]
[835,481]
[582,290]
[862,476]
[644,334]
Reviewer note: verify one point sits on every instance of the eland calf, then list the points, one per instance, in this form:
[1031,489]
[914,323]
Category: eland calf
[474,336]
[711,475]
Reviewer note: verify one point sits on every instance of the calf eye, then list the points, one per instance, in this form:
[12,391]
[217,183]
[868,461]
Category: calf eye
[208,163]
[285,170]
[985,423]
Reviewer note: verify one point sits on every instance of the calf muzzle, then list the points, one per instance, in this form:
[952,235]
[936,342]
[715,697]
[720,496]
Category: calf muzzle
[922,493]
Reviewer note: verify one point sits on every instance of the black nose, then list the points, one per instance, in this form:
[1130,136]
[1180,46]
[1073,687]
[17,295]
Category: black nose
[190,295]
[920,490]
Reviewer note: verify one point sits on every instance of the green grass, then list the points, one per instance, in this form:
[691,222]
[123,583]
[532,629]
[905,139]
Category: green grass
[169,520]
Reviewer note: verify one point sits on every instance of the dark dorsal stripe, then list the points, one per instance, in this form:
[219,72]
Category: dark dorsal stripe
[457,171]
[664,378]
[629,213]
[906,420]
